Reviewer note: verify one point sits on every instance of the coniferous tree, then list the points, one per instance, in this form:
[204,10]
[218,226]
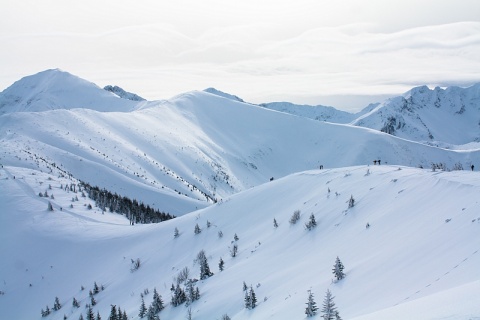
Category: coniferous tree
[275,224]
[113,313]
[157,302]
[75,303]
[50,207]
[191,292]
[244,286]
[98,316]
[234,250]
[178,296]
[221,264]
[93,301]
[338,269]
[250,299]
[119,313]
[225,317]
[351,202]
[312,223]
[96,289]
[57,306]
[90,314]
[143,309]
[176,233]
[311,308]
[204,268]
[197,229]
[329,310]
[81,317]
[235,237]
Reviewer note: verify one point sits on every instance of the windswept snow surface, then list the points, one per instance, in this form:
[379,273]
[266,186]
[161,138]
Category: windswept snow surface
[418,259]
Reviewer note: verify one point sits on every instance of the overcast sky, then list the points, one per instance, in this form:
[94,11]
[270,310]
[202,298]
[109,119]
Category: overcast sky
[342,53]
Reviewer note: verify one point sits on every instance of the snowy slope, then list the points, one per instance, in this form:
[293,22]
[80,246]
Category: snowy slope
[56,89]
[321,113]
[123,94]
[440,116]
[183,153]
[419,255]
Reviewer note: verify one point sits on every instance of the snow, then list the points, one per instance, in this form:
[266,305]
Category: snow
[407,264]
[418,259]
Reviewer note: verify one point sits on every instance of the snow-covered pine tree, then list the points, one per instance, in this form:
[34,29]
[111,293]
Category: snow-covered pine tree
[338,269]
[234,250]
[252,298]
[275,224]
[191,292]
[221,264]
[176,233]
[98,316]
[143,309]
[197,229]
[225,317]
[93,301]
[311,308]
[90,314]
[81,317]
[113,313]
[157,302]
[75,303]
[351,202]
[245,288]
[57,306]
[295,217]
[50,207]
[235,237]
[329,309]
[96,289]
[312,223]
[204,268]
[178,296]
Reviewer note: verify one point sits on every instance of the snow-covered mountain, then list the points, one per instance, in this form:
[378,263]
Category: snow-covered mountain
[231,168]
[123,94]
[443,116]
[198,147]
[55,89]
[223,94]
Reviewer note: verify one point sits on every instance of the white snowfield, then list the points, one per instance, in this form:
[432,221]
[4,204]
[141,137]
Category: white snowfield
[208,158]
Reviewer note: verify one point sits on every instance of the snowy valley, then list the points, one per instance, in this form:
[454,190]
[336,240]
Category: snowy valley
[234,174]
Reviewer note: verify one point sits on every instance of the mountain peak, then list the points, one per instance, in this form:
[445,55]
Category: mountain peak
[56,89]
[122,93]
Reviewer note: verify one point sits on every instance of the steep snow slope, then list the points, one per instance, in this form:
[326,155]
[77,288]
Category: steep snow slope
[184,153]
[440,116]
[421,250]
[123,94]
[56,89]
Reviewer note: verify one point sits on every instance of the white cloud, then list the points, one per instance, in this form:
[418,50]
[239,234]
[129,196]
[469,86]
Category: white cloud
[258,50]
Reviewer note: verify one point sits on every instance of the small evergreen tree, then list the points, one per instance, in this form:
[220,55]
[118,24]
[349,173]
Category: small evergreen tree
[75,303]
[197,229]
[329,310]
[176,233]
[225,317]
[250,299]
[338,269]
[81,317]
[50,207]
[351,202]
[113,313]
[98,316]
[209,224]
[204,268]
[93,301]
[221,264]
[295,217]
[312,223]
[234,250]
[311,308]
[220,234]
[90,314]
[191,292]
[119,314]
[157,302]
[143,309]
[57,306]
[275,224]
[96,289]
[235,237]
[244,286]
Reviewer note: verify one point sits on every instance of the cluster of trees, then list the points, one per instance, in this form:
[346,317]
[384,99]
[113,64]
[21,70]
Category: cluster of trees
[329,310]
[136,212]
